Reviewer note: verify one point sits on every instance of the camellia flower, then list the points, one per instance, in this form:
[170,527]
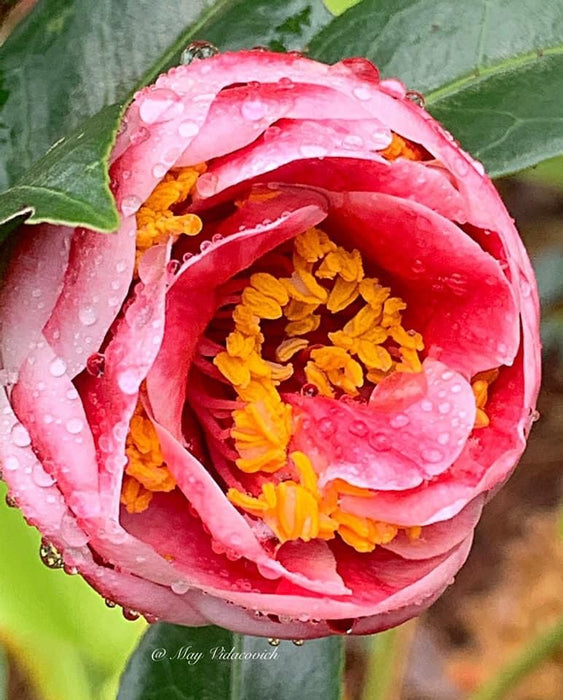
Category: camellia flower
[277,398]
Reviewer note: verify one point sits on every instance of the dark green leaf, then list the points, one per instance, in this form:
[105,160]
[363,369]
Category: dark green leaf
[491,69]
[70,184]
[198,664]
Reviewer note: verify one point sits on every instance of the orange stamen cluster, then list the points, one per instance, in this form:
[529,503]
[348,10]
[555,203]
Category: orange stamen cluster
[146,470]
[156,220]
[403,148]
[480,385]
[372,343]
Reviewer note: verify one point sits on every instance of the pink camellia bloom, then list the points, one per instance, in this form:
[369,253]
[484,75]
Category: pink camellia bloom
[277,398]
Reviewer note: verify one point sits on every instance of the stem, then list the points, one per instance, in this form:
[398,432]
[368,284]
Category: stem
[538,650]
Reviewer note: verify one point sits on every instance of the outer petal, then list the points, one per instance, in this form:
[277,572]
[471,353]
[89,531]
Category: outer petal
[32,284]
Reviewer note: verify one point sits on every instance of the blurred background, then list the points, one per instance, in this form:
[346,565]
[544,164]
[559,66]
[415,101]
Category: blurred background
[496,633]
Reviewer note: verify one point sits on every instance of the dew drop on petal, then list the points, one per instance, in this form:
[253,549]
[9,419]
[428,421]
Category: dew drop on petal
[273,641]
[130,205]
[443,438]
[188,129]
[57,367]
[95,364]
[40,476]
[11,463]
[50,555]
[180,587]
[198,50]
[399,421]
[362,93]
[20,436]
[432,456]
[358,428]
[159,171]
[74,426]
[379,442]
[72,534]
[128,382]
[253,109]
[87,315]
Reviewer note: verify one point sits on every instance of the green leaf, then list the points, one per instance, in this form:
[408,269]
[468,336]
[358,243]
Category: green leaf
[131,43]
[490,69]
[70,184]
[207,663]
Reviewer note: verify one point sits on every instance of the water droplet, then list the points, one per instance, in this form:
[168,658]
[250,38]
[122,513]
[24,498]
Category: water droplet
[444,408]
[110,603]
[204,245]
[362,93]
[11,463]
[137,137]
[309,390]
[20,436]
[74,426]
[197,51]
[187,257]
[40,476]
[416,97]
[431,455]
[160,105]
[72,534]
[50,555]
[95,364]
[172,267]
[358,428]
[188,129]
[399,421]
[456,388]
[57,367]
[180,587]
[120,267]
[128,382]
[343,626]
[443,438]
[298,642]
[352,141]
[379,442]
[253,109]
[10,502]
[426,405]
[70,570]
[447,375]
[418,267]
[87,315]
[312,150]
[130,615]
[274,642]
[159,171]
[130,205]
[535,416]
[326,427]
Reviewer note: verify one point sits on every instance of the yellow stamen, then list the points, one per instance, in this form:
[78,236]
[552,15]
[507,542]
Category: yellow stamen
[480,385]
[146,470]
[156,222]
[290,347]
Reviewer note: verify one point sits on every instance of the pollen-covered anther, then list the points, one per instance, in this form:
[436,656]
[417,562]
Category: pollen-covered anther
[156,220]
[480,385]
[146,470]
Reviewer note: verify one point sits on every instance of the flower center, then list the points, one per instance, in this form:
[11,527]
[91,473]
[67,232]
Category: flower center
[343,332]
